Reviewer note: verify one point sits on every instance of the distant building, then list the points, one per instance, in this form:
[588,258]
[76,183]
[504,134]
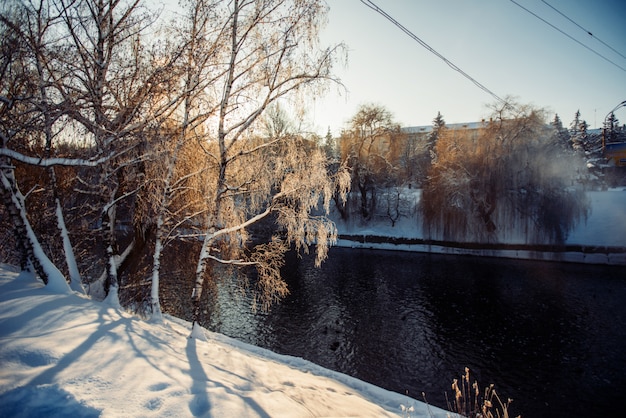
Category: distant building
[416,133]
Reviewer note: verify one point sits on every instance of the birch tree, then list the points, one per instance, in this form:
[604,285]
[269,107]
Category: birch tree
[40,21]
[27,117]
[169,131]
[87,70]
[115,81]
[271,54]
[178,184]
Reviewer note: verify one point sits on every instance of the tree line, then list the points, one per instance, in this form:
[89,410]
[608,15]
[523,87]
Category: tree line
[516,176]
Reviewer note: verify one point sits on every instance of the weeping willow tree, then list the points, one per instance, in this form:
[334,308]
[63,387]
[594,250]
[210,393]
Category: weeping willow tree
[503,182]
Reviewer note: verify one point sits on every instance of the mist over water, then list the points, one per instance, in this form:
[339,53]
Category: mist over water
[549,335]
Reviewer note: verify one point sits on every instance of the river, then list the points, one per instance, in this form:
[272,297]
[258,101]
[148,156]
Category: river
[551,336]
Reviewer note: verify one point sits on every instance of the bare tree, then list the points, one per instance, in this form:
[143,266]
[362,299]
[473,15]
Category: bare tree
[27,118]
[115,78]
[51,109]
[176,193]
[368,149]
[271,54]
[86,70]
[170,131]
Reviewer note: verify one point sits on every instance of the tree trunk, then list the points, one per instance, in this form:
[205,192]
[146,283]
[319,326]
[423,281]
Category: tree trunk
[111,284]
[25,247]
[70,258]
[75,280]
[364,206]
[341,207]
[197,289]
[155,303]
[32,253]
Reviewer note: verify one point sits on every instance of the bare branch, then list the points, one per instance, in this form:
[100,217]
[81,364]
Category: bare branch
[50,162]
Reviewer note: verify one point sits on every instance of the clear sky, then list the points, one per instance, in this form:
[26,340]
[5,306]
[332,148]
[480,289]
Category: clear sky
[496,42]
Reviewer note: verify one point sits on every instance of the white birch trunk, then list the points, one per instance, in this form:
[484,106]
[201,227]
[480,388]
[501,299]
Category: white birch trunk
[197,290]
[111,286]
[157,315]
[72,267]
[56,281]
[112,297]
[44,267]
[197,332]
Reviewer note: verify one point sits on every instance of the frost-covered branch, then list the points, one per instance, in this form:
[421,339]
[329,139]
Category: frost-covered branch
[50,162]
[240,263]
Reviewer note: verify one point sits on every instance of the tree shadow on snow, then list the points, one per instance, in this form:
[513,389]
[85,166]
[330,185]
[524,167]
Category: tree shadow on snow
[200,405]
[105,325]
[48,401]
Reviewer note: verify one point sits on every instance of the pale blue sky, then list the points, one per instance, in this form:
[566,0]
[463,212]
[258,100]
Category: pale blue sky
[496,42]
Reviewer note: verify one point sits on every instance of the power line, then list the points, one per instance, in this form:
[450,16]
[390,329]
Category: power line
[568,35]
[377,9]
[587,31]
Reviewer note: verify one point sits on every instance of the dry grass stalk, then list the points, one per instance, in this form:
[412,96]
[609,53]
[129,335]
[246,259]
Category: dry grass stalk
[467,405]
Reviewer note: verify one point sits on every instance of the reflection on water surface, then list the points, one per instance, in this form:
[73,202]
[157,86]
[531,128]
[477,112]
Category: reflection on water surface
[549,335]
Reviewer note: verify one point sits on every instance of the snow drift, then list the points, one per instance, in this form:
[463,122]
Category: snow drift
[64,355]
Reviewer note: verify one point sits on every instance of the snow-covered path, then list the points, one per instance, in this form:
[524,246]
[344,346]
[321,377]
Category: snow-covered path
[64,355]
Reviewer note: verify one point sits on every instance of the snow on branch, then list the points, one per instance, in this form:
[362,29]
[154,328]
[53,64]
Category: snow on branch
[232,262]
[50,162]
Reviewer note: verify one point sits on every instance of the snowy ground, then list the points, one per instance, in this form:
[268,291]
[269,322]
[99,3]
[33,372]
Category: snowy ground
[606,224]
[64,355]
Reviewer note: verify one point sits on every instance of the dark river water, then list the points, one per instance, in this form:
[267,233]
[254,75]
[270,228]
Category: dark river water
[551,336]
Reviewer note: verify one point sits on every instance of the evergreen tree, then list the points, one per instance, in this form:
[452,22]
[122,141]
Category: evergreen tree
[582,128]
[427,151]
[591,143]
[575,123]
[438,124]
[611,127]
[330,146]
[557,123]
[576,136]
[561,136]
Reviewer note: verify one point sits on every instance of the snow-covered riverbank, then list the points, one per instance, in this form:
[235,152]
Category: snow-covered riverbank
[600,239]
[64,355]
